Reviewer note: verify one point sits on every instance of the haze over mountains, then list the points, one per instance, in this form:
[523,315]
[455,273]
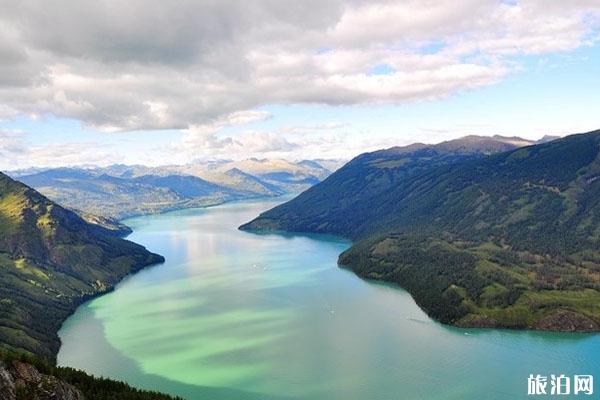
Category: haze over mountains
[119,191]
[481,231]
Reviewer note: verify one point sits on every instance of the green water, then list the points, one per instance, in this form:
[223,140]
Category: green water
[235,315]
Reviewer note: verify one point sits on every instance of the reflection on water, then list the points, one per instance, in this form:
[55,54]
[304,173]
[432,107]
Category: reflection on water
[235,315]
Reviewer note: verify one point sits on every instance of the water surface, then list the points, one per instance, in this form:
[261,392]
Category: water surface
[236,315]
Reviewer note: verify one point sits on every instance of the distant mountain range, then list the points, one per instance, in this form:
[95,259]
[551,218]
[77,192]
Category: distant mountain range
[120,191]
[51,260]
[483,232]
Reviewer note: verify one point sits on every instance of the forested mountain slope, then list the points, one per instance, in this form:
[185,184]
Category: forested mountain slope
[353,198]
[50,261]
[510,239]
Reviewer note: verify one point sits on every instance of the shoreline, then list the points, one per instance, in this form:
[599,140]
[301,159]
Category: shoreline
[477,321]
[496,328]
[123,219]
[339,280]
[90,297]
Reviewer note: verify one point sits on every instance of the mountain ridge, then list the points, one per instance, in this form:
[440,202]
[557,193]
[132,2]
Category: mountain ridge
[509,239]
[120,191]
[381,169]
[52,260]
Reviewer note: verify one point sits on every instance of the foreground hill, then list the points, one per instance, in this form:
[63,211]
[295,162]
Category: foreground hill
[510,239]
[25,377]
[51,260]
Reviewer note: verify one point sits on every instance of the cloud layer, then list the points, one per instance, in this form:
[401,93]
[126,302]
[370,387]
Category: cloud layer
[195,65]
[16,152]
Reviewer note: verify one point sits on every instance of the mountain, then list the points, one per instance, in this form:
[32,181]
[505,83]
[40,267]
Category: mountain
[286,176]
[111,225]
[290,176]
[96,192]
[244,181]
[343,203]
[17,377]
[262,166]
[547,138]
[119,191]
[236,179]
[329,164]
[479,234]
[51,260]
[185,187]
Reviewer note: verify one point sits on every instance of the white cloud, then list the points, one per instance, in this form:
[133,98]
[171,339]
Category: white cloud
[11,143]
[17,153]
[329,140]
[193,64]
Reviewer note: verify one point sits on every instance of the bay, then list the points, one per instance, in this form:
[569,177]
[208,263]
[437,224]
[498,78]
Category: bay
[237,315]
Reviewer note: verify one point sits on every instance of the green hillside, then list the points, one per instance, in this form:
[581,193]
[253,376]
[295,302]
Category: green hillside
[350,201]
[510,239]
[51,260]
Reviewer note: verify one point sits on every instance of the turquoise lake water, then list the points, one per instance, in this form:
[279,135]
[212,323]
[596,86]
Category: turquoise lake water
[236,315]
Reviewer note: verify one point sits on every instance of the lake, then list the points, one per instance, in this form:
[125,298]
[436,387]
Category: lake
[237,315]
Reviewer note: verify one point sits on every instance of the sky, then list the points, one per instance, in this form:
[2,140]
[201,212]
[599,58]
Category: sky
[154,82]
